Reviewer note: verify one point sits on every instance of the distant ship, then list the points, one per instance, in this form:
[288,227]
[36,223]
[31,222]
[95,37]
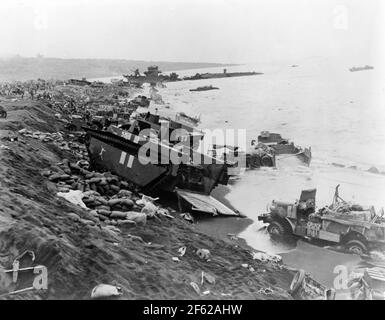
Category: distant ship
[361,68]
[205,88]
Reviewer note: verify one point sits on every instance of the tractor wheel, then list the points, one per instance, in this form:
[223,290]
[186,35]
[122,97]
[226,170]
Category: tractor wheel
[297,281]
[267,161]
[276,228]
[356,247]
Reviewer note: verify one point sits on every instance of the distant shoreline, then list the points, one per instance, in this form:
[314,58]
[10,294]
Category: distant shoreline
[24,68]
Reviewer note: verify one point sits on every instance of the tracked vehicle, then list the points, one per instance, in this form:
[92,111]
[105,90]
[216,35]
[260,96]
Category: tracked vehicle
[193,177]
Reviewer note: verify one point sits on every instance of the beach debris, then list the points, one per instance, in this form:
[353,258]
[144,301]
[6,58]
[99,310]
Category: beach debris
[205,293]
[135,238]
[209,278]
[106,195]
[266,257]
[182,251]
[106,291]
[247,266]
[297,281]
[176,259]
[73,196]
[149,209]
[146,199]
[226,294]
[265,291]
[164,212]
[195,287]
[137,217]
[204,254]
[232,236]
[187,216]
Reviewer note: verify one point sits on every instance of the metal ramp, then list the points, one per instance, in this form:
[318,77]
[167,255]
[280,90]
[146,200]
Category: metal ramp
[205,203]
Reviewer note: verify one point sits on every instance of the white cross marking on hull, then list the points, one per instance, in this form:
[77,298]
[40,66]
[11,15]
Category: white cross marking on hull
[122,157]
[130,161]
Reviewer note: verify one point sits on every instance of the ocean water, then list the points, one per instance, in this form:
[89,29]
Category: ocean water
[340,114]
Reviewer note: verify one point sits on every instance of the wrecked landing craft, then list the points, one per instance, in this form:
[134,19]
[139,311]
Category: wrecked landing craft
[119,152]
[283,146]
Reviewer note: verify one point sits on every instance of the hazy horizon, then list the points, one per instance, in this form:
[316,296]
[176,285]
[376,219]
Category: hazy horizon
[216,31]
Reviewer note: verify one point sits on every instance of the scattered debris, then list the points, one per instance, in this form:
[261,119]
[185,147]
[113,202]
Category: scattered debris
[182,251]
[187,216]
[195,287]
[73,196]
[209,278]
[232,237]
[106,291]
[204,254]
[266,257]
[266,291]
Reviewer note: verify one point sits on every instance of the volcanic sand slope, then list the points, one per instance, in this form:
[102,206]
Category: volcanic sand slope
[79,256]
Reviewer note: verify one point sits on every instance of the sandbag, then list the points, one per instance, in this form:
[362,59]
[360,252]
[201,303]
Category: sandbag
[118,215]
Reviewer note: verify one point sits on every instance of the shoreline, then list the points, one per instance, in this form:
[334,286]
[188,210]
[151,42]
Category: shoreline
[141,259]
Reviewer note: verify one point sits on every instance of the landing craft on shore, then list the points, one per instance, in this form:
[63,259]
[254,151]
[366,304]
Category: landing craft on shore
[193,179]
[283,146]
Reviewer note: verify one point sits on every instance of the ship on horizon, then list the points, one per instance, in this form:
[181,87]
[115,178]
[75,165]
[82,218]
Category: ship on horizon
[354,69]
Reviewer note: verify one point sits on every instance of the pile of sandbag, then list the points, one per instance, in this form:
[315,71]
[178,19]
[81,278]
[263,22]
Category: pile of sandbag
[43,136]
[109,197]
[59,140]
[77,176]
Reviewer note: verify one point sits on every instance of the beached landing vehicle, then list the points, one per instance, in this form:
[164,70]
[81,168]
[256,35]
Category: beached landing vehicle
[357,229]
[238,160]
[205,88]
[118,150]
[284,146]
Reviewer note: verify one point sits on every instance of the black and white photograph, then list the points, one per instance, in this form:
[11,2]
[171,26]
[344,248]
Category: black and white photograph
[192,154]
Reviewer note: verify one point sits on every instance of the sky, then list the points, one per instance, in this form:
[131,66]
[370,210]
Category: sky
[226,31]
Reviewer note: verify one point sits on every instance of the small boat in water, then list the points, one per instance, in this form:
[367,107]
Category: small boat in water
[284,146]
[205,88]
[354,69]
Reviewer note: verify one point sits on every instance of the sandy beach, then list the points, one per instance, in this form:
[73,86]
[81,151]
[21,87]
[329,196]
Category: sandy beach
[80,254]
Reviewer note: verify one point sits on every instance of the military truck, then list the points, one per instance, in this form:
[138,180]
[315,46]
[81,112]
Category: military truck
[352,226]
